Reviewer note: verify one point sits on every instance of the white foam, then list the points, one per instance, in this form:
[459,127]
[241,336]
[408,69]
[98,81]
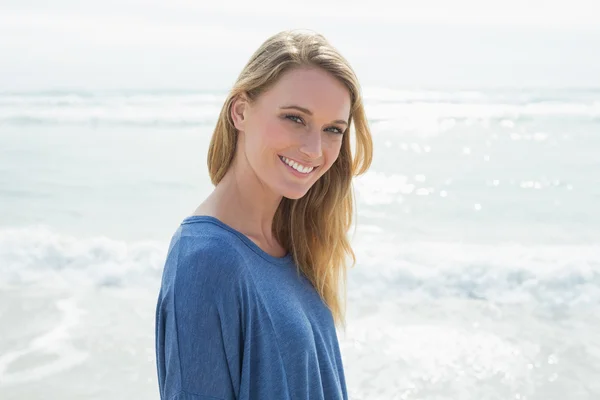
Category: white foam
[40,255]
[385,107]
[54,342]
[553,275]
[549,275]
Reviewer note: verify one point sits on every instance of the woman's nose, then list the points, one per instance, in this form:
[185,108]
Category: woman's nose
[311,145]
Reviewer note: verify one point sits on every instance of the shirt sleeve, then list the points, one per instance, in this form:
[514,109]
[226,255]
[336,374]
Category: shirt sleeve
[199,322]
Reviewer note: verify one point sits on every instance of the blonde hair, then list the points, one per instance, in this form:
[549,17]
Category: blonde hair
[313,228]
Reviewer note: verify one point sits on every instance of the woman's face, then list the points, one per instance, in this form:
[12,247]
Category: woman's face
[292,133]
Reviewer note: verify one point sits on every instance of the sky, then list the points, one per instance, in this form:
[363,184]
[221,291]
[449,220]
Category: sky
[186,44]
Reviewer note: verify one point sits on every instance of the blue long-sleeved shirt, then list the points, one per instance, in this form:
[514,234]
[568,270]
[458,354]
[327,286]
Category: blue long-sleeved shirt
[233,322]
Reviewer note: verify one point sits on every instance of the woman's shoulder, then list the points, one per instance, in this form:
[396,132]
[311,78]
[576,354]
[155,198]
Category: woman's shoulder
[205,235]
[203,251]
[203,270]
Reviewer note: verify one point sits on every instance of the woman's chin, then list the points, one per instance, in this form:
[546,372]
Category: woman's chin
[294,193]
[294,196]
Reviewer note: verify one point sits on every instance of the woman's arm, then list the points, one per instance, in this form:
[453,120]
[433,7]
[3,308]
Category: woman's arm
[199,335]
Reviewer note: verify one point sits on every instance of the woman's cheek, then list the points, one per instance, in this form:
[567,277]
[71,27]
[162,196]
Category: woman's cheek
[271,133]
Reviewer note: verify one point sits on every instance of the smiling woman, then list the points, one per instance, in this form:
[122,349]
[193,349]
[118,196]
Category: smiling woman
[254,281]
[309,143]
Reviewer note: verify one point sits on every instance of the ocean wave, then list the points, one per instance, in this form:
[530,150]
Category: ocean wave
[106,122]
[38,255]
[186,108]
[552,275]
[557,275]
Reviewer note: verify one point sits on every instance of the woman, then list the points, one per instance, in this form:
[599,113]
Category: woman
[250,291]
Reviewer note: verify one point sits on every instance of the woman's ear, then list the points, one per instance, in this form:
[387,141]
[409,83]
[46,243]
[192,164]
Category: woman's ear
[239,112]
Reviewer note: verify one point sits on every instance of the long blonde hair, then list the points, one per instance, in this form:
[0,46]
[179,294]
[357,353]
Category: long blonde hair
[313,228]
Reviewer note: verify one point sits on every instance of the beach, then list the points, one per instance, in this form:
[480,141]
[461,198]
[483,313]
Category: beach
[477,241]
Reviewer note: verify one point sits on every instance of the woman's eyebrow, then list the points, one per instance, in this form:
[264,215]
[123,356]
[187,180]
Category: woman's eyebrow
[307,111]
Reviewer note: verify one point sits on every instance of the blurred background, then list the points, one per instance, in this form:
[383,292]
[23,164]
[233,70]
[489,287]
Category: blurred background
[477,234]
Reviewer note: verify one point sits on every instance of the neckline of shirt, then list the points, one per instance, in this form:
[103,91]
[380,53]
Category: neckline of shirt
[245,239]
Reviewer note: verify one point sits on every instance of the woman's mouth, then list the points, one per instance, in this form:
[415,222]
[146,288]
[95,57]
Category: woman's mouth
[296,168]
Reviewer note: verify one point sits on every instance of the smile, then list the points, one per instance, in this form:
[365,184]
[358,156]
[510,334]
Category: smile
[302,169]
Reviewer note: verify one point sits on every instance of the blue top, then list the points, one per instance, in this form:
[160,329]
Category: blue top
[233,322]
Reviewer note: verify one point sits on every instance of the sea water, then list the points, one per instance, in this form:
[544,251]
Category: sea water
[477,238]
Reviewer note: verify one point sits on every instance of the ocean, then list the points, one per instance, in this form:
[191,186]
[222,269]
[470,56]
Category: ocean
[477,237]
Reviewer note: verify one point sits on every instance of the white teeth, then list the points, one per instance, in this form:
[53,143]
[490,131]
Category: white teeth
[296,166]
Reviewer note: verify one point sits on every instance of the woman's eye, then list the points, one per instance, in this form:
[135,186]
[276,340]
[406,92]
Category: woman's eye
[337,130]
[299,120]
[290,117]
